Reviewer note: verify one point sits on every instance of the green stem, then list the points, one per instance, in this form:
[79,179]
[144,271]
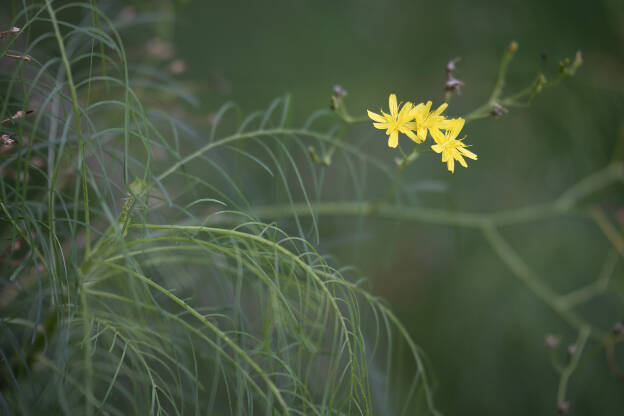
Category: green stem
[418,214]
[278,248]
[613,235]
[567,371]
[502,72]
[237,137]
[78,121]
[527,276]
[209,325]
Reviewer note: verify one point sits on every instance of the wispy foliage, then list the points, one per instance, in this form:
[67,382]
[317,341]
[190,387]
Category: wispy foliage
[137,276]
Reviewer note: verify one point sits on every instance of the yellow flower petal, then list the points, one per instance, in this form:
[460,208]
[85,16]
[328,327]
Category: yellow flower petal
[404,114]
[457,127]
[392,104]
[422,133]
[440,109]
[393,140]
[460,159]
[437,135]
[409,133]
[468,153]
[451,165]
[376,117]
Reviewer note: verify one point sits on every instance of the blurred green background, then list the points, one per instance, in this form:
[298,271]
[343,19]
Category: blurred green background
[481,329]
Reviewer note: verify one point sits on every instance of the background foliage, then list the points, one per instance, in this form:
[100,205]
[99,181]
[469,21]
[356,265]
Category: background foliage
[483,331]
[432,253]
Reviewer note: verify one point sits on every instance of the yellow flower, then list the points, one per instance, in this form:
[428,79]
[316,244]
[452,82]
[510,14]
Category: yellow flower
[430,120]
[451,148]
[395,122]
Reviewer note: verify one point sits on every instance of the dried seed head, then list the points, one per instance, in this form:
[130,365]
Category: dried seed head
[13,31]
[563,407]
[177,67]
[552,342]
[339,91]
[7,140]
[24,58]
[498,110]
[618,328]
[453,85]
[451,66]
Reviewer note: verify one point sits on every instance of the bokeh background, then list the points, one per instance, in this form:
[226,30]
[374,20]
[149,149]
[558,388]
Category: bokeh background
[481,329]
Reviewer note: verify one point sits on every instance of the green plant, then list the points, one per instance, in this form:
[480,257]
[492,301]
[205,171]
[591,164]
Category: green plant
[102,313]
[144,277]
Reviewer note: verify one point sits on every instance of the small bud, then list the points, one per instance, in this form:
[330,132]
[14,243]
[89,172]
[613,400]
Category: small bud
[571,349]
[334,103]
[451,66]
[339,91]
[563,65]
[543,55]
[539,84]
[498,110]
[314,155]
[563,407]
[7,140]
[13,31]
[513,46]
[177,67]
[7,143]
[552,342]
[578,61]
[453,85]
[17,115]
[24,58]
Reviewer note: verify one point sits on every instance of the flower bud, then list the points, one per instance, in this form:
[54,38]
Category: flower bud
[339,91]
[498,110]
[552,342]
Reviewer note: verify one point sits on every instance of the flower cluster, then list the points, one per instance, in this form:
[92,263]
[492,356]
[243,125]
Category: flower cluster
[415,121]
